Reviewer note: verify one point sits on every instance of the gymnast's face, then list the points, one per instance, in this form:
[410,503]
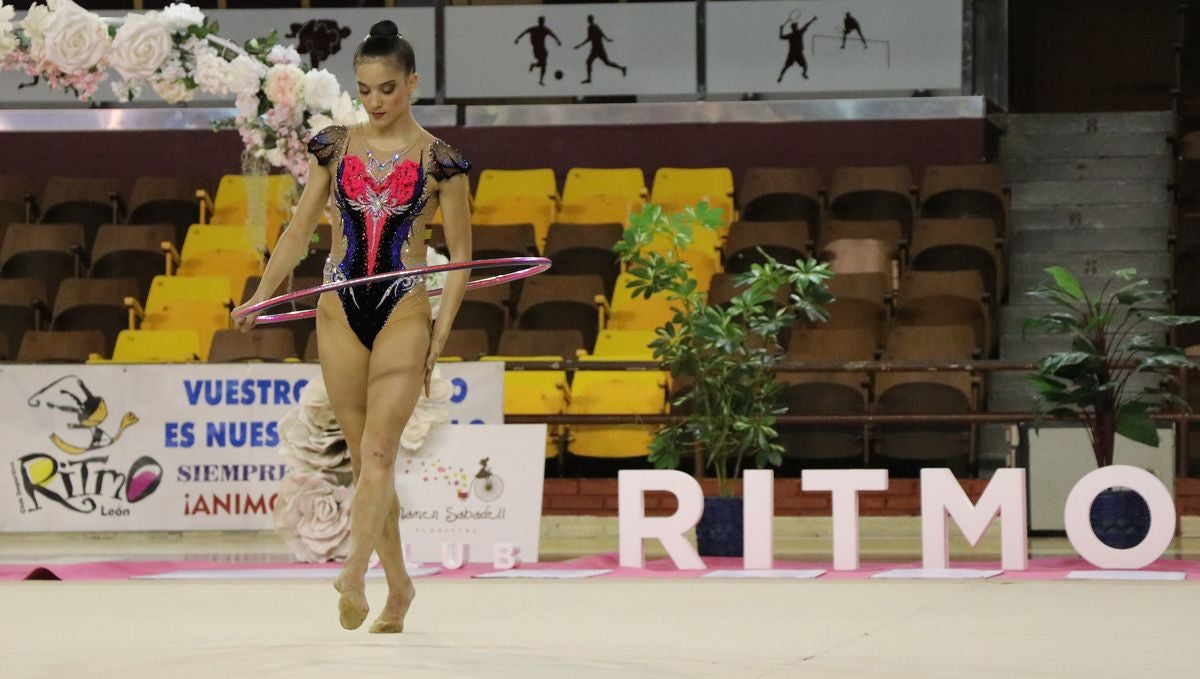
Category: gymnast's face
[386,89]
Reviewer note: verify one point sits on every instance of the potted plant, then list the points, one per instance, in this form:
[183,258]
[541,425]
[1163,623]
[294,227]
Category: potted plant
[724,354]
[1112,340]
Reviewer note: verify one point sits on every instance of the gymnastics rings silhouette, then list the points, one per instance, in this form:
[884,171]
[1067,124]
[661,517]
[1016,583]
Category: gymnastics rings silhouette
[533,266]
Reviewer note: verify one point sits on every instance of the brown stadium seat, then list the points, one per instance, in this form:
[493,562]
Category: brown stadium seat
[860,301]
[786,241]
[16,200]
[89,201]
[561,303]
[960,191]
[775,194]
[886,230]
[311,352]
[503,240]
[131,251]
[585,249]
[165,200]
[94,304]
[67,346]
[860,255]
[933,298]
[313,264]
[468,345]
[873,193]
[49,252]
[565,343]
[486,309]
[24,306]
[259,344]
[958,245]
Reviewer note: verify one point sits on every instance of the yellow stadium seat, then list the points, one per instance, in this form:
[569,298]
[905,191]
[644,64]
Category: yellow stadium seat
[599,392]
[599,209]
[201,317]
[535,392]
[625,342]
[637,313]
[628,183]
[715,182]
[498,184]
[677,202]
[209,237]
[234,265]
[156,346]
[232,203]
[518,210]
[165,289]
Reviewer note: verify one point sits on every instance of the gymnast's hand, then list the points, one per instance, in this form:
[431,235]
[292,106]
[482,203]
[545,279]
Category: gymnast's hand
[246,323]
[435,350]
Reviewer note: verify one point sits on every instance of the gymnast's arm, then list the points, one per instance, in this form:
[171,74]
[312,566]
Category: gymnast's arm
[456,218]
[293,243]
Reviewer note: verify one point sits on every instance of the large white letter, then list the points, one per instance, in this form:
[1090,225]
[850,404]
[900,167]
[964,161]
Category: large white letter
[633,525]
[758,515]
[845,485]
[1077,517]
[941,494]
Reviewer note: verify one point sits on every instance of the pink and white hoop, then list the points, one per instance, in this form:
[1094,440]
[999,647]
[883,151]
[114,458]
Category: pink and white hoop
[533,266]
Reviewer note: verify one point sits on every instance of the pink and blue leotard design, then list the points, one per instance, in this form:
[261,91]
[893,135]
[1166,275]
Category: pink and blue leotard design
[379,217]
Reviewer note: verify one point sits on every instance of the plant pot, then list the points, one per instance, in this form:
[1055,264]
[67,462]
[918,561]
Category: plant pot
[719,532]
[1120,518]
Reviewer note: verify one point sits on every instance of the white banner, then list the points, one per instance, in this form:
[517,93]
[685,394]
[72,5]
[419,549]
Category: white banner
[827,46]
[541,50]
[181,447]
[327,37]
[472,489]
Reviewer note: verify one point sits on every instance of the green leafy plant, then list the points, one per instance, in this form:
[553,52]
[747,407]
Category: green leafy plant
[725,354]
[1111,341]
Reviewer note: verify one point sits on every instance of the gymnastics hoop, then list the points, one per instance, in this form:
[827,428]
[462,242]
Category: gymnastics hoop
[533,266]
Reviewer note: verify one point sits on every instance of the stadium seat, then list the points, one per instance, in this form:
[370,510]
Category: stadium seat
[24,306]
[486,309]
[779,194]
[536,392]
[935,298]
[311,352]
[625,343]
[165,200]
[517,210]
[676,187]
[598,209]
[626,183]
[498,184]
[259,344]
[724,288]
[54,346]
[16,200]
[599,392]
[562,303]
[232,202]
[965,191]
[637,313]
[861,301]
[886,230]
[94,304]
[132,251]
[87,201]
[957,245]
[859,193]
[468,345]
[319,246]
[503,240]
[48,252]
[585,249]
[157,346]
[860,255]
[785,241]
[515,342]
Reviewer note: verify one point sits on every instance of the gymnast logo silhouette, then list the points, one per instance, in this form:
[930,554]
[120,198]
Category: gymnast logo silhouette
[83,433]
[537,39]
[319,38]
[597,38]
[795,54]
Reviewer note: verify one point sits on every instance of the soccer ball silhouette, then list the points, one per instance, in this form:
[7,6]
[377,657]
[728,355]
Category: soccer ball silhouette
[558,75]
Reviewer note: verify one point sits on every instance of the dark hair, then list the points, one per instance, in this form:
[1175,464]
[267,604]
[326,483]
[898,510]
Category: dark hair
[385,42]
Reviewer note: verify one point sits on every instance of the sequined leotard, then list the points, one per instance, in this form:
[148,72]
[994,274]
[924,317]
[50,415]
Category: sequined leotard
[383,220]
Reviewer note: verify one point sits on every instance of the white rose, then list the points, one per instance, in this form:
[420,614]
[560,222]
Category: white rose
[140,46]
[172,91]
[283,54]
[75,40]
[212,74]
[178,17]
[321,90]
[346,112]
[284,84]
[313,517]
[245,75]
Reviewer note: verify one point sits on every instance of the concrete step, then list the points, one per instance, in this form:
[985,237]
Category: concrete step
[1095,123]
[1088,192]
[1075,239]
[1081,145]
[1148,264]
[1124,216]
[1012,391]
[1018,170]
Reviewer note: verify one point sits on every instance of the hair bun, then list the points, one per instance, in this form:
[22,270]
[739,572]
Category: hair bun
[385,29]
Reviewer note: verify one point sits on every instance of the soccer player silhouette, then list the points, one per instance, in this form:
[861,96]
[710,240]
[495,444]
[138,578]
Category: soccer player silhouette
[597,38]
[795,48]
[850,25]
[537,38]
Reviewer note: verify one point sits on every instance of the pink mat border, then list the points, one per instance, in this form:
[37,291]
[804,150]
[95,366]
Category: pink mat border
[1047,568]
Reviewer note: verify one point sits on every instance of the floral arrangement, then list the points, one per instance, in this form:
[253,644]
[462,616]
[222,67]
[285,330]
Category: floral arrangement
[312,512]
[176,51]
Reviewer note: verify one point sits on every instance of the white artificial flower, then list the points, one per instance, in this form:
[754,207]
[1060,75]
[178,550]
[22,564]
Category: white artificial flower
[35,22]
[321,90]
[346,112]
[75,40]
[435,280]
[127,90]
[173,91]
[275,156]
[284,85]
[245,75]
[283,54]
[212,74]
[178,17]
[172,69]
[313,516]
[140,46]
[8,39]
[318,122]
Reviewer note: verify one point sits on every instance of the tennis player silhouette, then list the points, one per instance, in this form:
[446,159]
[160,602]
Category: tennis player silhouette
[597,38]
[850,25]
[537,38]
[795,48]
